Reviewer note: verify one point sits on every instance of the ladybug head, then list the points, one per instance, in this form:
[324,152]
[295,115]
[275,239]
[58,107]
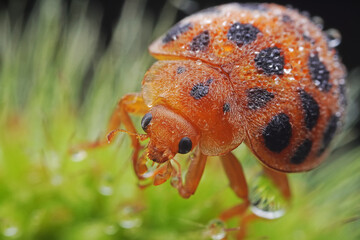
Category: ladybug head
[169,134]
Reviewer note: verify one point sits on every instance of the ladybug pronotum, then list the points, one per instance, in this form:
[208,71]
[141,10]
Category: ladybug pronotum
[261,74]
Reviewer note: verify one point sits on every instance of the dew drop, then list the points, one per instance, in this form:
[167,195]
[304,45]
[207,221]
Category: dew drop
[175,181]
[266,199]
[79,156]
[150,170]
[106,190]
[128,217]
[198,62]
[10,231]
[215,229]
[333,37]
[287,70]
[105,187]
[110,229]
[56,180]
[318,21]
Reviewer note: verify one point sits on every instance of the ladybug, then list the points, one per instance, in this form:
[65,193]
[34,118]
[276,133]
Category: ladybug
[260,74]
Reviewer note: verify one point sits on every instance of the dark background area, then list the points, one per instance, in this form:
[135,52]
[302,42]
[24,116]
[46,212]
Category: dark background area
[341,15]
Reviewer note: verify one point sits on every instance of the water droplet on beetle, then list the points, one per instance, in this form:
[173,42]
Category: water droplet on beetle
[287,70]
[333,37]
[318,21]
[215,229]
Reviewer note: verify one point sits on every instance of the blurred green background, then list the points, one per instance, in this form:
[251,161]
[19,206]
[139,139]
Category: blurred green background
[58,87]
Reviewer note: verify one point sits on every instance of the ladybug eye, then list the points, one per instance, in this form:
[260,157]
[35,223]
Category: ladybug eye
[145,121]
[185,145]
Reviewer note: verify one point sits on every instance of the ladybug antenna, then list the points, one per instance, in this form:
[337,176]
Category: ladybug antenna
[112,134]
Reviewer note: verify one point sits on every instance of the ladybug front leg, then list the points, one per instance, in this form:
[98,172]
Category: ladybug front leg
[193,175]
[235,173]
[129,104]
[132,103]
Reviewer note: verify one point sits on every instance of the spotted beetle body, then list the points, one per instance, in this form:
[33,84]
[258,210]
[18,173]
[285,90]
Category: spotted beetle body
[261,74]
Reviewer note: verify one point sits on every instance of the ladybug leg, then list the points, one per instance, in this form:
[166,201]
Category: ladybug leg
[193,175]
[129,104]
[280,180]
[132,103]
[235,173]
[244,222]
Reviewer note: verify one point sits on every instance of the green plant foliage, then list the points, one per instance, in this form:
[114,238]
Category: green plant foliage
[58,88]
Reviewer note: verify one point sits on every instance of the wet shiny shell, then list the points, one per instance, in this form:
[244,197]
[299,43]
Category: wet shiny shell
[279,70]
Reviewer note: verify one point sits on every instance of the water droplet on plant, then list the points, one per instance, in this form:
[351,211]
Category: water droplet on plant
[110,229]
[106,190]
[333,37]
[52,160]
[128,217]
[215,229]
[105,187]
[10,231]
[79,156]
[56,180]
[266,199]
[198,62]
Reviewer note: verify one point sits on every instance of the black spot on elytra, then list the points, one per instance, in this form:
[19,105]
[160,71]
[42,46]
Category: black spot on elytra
[200,90]
[311,109]
[176,31]
[226,107]
[319,74]
[242,34]
[277,133]
[258,97]
[270,61]
[200,42]
[329,133]
[180,70]
[301,152]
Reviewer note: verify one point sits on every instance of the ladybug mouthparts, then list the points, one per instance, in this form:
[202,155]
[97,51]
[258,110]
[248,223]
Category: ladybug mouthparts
[159,156]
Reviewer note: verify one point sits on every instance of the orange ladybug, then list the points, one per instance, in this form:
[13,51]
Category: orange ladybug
[261,74]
